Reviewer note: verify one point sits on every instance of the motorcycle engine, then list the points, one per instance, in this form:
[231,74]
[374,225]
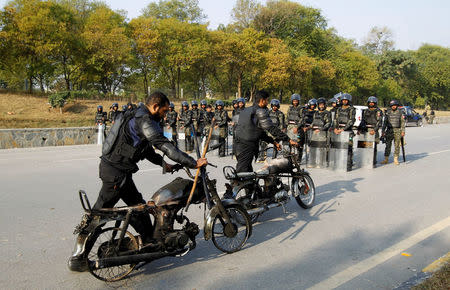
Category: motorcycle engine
[281,195]
[176,240]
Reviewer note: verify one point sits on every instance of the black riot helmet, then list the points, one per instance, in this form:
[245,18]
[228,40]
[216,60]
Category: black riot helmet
[124,107]
[171,105]
[295,97]
[312,102]
[203,103]
[394,103]
[372,99]
[115,105]
[100,108]
[322,101]
[234,102]
[346,97]
[220,103]
[275,103]
[241,100]
[185,104]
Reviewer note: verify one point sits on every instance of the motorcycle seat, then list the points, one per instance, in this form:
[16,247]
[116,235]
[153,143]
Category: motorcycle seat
[246,175]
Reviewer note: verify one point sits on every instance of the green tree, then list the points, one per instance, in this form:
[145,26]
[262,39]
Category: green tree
[243,13]
[182,10]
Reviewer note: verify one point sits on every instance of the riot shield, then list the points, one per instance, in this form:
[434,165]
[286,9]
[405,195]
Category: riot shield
[366,151]
[168,133]
[340,151]
[214,142]
[181,140]
[290,132]
[318,149]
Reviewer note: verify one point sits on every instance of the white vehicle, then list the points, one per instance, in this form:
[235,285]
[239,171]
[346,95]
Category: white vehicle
[358,115]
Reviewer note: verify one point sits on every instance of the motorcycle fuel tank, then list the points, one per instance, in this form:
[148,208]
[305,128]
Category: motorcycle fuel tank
[175,192]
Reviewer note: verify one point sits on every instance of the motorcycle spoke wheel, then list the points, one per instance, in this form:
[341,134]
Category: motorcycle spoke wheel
[230,238]
[306,192]
[105,245]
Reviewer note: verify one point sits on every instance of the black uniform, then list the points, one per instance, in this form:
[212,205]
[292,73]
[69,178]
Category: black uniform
[113,115]
[254,124]
[100,118]
[134,143]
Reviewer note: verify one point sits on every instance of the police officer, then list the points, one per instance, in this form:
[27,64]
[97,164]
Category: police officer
[197,118]
[241,105]
[170,121]
[334,106]
[221,123]
[307,117]
[113,113]
[254,124]
[322,117]
[134,142]
[277,117]
[293,117]
[208,117]
[234,103]
[371,120]
[393,130]
[185,121]
[100,116]
[344,120]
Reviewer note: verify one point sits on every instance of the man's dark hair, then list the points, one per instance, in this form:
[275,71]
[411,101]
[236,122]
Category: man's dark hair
[157,98]
[262,94]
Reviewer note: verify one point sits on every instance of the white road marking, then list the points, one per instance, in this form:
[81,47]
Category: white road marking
[432,153]
[375,260]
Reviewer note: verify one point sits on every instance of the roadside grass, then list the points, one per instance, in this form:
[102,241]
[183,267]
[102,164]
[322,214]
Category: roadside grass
[439,280]
[25,111]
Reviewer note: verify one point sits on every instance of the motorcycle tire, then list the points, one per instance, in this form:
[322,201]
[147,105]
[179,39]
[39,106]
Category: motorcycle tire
[306,191]
[230,238]
[104,245]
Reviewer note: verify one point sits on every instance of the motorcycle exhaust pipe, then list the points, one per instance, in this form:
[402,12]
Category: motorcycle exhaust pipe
[132,259]
[264,208]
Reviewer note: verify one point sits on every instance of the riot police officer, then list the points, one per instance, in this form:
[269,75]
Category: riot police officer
[307,117]
[322,117]
[241,104]
[208,116]
[344,120]
[113,113]
[100,116]
[170,121]
[185,121]
[234,103]
[334,106]
[293,117]
[221,123]
[371,118]
[277,117]
[197,118]
[393,130]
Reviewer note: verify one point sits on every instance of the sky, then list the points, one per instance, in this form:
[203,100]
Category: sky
[413,22]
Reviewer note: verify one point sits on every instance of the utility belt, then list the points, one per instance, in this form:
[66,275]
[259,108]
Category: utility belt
[342,125]
[292,122]
[370,126]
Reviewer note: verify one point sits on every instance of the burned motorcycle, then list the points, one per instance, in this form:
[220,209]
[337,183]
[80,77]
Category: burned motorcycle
[113,252]
[265,189]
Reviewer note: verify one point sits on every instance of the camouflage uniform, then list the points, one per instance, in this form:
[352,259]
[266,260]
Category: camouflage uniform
[207,119]
[221,118]
[344,120]
[393,127]
[171,121]
[293,117]
[372,120]
[197,119]
[185,121]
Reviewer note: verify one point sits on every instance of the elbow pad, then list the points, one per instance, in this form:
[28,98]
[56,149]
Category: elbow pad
[178,156]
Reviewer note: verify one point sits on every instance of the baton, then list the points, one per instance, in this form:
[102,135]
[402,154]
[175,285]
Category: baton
[205,149]
[402,141]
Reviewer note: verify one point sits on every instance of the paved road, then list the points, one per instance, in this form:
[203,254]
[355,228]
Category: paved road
[353,238]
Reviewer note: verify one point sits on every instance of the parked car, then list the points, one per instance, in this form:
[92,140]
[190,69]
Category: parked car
[411,116]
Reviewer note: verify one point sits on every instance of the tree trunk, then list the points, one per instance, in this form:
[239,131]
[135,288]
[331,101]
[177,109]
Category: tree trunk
[30,85]
[178,81]
[239,85]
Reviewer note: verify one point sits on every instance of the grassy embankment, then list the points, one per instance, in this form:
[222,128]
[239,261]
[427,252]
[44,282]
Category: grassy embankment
[24,111]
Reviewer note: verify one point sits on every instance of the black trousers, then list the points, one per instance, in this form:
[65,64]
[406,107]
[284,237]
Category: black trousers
[245,152]
[120,185]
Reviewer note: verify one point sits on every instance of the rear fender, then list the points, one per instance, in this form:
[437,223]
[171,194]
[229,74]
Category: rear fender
[209,220]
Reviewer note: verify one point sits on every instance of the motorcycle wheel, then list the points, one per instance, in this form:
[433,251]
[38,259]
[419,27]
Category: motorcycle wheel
[305,191]
[230,238]
[105,245]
